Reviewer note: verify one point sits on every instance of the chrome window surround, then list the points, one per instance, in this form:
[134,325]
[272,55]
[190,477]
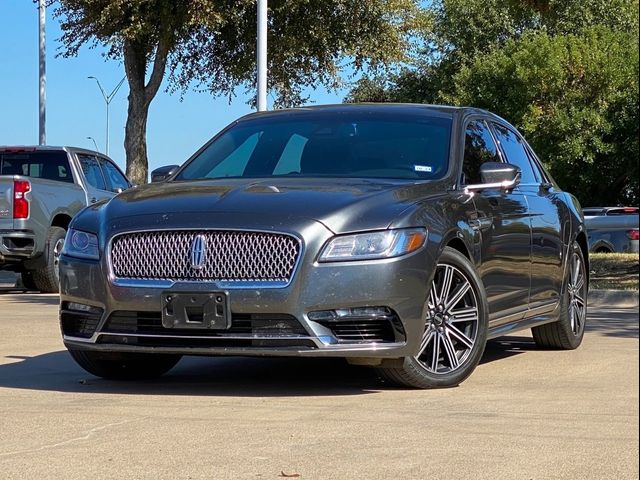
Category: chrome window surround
[227,285]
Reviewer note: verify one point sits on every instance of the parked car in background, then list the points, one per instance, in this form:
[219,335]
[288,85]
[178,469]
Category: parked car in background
[612,229]
[41,189]
[395,236]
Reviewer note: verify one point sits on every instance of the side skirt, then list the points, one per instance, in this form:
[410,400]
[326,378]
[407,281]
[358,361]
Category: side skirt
[533,318]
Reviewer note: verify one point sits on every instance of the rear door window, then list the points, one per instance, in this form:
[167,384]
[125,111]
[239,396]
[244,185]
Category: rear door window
[92,171]
[37,164]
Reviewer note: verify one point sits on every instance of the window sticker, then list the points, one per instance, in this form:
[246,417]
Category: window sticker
[423,168]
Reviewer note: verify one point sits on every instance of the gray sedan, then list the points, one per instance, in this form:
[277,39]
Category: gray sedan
[396,236]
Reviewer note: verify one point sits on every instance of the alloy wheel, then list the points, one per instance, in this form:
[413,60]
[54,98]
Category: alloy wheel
[577,294]
[57,251]
[451,327]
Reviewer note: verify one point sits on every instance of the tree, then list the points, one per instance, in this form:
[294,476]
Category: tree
[563,71]
[210,44]
[575,98]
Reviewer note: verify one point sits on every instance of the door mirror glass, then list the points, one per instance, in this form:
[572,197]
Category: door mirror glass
[498,175]
[162,173]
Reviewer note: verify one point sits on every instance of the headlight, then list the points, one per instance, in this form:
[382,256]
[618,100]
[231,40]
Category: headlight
[81,245]
[373,245]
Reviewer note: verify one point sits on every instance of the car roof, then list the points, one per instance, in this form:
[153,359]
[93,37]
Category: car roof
[414,108]
[45,148]
[614,211]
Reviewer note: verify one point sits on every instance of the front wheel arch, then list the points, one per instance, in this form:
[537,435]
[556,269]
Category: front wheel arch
[437,370]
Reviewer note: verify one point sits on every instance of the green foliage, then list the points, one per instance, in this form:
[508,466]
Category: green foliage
[575,98]
[563,71]
[211,45]
[212,42]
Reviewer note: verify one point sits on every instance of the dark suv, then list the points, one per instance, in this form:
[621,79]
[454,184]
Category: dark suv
[396,236]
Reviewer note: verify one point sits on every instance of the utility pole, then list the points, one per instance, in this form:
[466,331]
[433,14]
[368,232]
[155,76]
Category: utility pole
[262,55]
[107,101]
[42,107]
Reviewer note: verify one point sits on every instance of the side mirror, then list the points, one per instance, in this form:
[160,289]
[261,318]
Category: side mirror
[162,173]
[504,176]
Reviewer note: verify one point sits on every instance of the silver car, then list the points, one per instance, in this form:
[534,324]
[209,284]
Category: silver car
[612,229]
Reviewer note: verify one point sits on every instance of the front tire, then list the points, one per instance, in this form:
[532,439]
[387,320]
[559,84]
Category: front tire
[124,366]
[455,332]
[567,333]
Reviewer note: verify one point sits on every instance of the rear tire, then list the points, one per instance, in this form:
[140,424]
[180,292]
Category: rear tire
[124,366]
[455,331]
[47,278]
[567,333]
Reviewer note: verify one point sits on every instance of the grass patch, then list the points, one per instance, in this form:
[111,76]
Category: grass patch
[614,271]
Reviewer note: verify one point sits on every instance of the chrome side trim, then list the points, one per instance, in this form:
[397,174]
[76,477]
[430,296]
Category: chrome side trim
[207,337]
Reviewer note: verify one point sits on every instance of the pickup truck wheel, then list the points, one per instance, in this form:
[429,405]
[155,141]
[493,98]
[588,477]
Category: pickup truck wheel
[455,331]
[47,278]
[125,366]
[27,280]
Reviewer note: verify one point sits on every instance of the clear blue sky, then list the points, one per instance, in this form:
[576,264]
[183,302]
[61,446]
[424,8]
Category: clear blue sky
[75,108]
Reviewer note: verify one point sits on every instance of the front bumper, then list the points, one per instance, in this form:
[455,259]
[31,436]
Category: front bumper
[397,287]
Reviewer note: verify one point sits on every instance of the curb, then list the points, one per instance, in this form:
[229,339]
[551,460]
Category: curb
[613,299]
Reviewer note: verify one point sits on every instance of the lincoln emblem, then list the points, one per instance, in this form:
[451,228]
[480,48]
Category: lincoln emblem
[198,252]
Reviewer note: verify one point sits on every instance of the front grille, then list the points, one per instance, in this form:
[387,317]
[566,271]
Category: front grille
[247,331]
[218,256]
[294,344]
[259,325]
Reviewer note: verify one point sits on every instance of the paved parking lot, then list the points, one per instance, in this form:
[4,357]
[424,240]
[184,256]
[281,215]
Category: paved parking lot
[524,414]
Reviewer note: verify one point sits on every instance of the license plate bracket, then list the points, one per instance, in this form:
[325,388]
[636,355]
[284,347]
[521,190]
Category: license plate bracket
[197,311]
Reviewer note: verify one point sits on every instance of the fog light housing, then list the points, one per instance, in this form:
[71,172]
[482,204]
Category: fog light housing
[81,307]
[349,313]
[358,325]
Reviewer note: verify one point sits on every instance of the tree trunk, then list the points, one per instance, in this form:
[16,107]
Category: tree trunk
[136,59]
[135,139]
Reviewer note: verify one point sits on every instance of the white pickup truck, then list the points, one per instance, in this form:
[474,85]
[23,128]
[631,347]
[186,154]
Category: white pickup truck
[41,189]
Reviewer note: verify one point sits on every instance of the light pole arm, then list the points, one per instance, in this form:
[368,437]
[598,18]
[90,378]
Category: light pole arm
[115,90]
[104,95]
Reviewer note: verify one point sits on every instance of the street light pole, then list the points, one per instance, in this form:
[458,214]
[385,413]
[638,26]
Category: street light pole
[94,143]
[262,55]
[107,101]
[42,107]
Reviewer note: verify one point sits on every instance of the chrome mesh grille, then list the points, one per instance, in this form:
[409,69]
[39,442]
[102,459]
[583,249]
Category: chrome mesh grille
[230,256]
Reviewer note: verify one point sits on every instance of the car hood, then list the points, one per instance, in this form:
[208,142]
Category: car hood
[342,205]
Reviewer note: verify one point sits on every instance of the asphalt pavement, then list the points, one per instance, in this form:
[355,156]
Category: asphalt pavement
[524,414]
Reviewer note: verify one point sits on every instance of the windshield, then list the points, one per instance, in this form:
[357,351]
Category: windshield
[359,144]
